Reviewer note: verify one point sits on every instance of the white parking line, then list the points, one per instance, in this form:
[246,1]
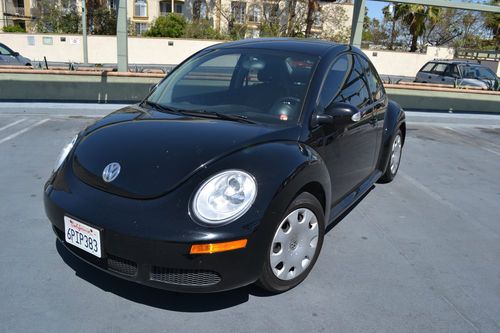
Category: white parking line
[12,124]
[24,130]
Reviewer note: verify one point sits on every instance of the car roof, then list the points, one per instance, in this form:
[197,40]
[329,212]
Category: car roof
[308,46]
[455,62]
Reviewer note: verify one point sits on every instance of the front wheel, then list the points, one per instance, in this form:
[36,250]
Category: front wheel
[394,159]
[295,246]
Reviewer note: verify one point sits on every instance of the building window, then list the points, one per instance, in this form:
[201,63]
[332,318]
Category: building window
[318,22]
[203,10]
[141,8]
[271,11]
[166,7]
[179,6]
[238,11]
[140,28]
[254,14]
[112,4]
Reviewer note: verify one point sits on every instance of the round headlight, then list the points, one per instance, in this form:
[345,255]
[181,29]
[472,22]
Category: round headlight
[225,197]
[64,153]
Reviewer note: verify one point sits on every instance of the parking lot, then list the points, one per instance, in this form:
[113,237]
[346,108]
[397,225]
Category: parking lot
[421,254]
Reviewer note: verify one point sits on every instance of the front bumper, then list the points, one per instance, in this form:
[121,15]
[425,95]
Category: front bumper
[154,261]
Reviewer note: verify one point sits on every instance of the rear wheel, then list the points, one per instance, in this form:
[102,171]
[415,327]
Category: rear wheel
[295,246]
[394,159]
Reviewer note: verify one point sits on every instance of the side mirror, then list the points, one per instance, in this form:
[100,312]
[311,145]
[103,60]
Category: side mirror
[339,114]
[15,54]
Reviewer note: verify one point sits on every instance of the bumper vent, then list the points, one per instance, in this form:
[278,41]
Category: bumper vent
[184,277]
[122,266]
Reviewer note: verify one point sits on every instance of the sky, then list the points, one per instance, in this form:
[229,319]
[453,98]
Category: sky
[375,7]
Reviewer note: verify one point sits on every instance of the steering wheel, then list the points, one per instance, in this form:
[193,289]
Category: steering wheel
[286,108]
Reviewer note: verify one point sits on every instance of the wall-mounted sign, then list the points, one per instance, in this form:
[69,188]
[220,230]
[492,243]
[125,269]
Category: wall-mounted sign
[31,40]
[48,40]
[74,40]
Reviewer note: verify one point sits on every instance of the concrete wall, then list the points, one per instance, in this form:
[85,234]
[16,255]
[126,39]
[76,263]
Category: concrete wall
[405,63]
[102,49]
[115,88]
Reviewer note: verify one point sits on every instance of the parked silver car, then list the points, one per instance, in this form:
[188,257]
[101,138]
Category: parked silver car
[10,57]
[458,73]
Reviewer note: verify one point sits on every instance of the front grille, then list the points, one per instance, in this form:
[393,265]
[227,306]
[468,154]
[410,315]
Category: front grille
[122,266]
[184,277]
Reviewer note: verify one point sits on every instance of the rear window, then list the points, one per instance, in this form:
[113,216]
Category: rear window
[428,67]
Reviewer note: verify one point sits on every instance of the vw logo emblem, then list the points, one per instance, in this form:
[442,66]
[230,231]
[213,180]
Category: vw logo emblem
[111,171]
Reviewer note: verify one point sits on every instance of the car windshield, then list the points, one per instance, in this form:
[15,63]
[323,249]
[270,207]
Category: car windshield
[259,86]
[478,72]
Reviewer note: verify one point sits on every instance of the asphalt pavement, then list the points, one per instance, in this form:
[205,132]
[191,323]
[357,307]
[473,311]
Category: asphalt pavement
[421,254]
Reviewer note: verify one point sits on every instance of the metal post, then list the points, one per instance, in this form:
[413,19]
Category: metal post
[122,36]
[84,31]
[357,22]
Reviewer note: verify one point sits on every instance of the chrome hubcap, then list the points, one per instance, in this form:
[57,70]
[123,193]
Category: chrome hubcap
[294,244]
[396,154]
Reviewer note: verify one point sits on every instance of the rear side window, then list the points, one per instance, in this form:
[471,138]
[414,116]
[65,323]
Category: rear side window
[428,67]
[439,69]
[374,82]
[354,90]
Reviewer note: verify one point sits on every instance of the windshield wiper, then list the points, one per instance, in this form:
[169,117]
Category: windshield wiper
[161,107]
[214,114]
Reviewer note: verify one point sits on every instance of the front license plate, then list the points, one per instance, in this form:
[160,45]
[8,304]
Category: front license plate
[82,236]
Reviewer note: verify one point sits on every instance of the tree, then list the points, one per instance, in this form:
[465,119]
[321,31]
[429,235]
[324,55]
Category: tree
[415,18]
[56,17]
[313,7]
[492,23]
[171,25]
[104,21]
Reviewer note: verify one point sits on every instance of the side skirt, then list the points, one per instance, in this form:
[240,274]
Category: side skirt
[353,197]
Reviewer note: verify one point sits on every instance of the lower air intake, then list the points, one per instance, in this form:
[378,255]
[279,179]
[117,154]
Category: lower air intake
[184,277]
[122,266]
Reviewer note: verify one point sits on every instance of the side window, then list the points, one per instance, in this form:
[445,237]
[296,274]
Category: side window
[374,82]
[427,68]
[336,78]
[354,90]
[439,69]
[4,51]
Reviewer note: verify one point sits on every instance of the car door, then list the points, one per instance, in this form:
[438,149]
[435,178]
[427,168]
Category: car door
[349,151]
[379,99]
[449,75]
[437,73]
[6,57]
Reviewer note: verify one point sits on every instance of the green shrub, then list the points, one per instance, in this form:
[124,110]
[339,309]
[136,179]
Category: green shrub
[13,28]
[171,25]
[201,30]
[237,30]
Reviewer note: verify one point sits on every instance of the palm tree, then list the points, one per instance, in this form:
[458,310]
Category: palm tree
[416,18]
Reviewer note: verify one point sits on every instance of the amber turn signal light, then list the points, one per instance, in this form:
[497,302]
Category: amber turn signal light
[218,247]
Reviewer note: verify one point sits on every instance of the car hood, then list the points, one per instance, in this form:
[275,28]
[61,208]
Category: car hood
[158,151]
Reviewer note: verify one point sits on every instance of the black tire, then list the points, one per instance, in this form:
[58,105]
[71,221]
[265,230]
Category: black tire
[389,173]
[268,280]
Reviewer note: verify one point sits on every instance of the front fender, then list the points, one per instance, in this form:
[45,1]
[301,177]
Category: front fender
[394,119]
[282,170]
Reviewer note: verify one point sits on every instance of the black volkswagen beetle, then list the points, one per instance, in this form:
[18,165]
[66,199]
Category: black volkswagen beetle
[230,170]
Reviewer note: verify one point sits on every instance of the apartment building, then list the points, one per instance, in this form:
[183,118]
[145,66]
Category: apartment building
[331,19]
[15,12]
